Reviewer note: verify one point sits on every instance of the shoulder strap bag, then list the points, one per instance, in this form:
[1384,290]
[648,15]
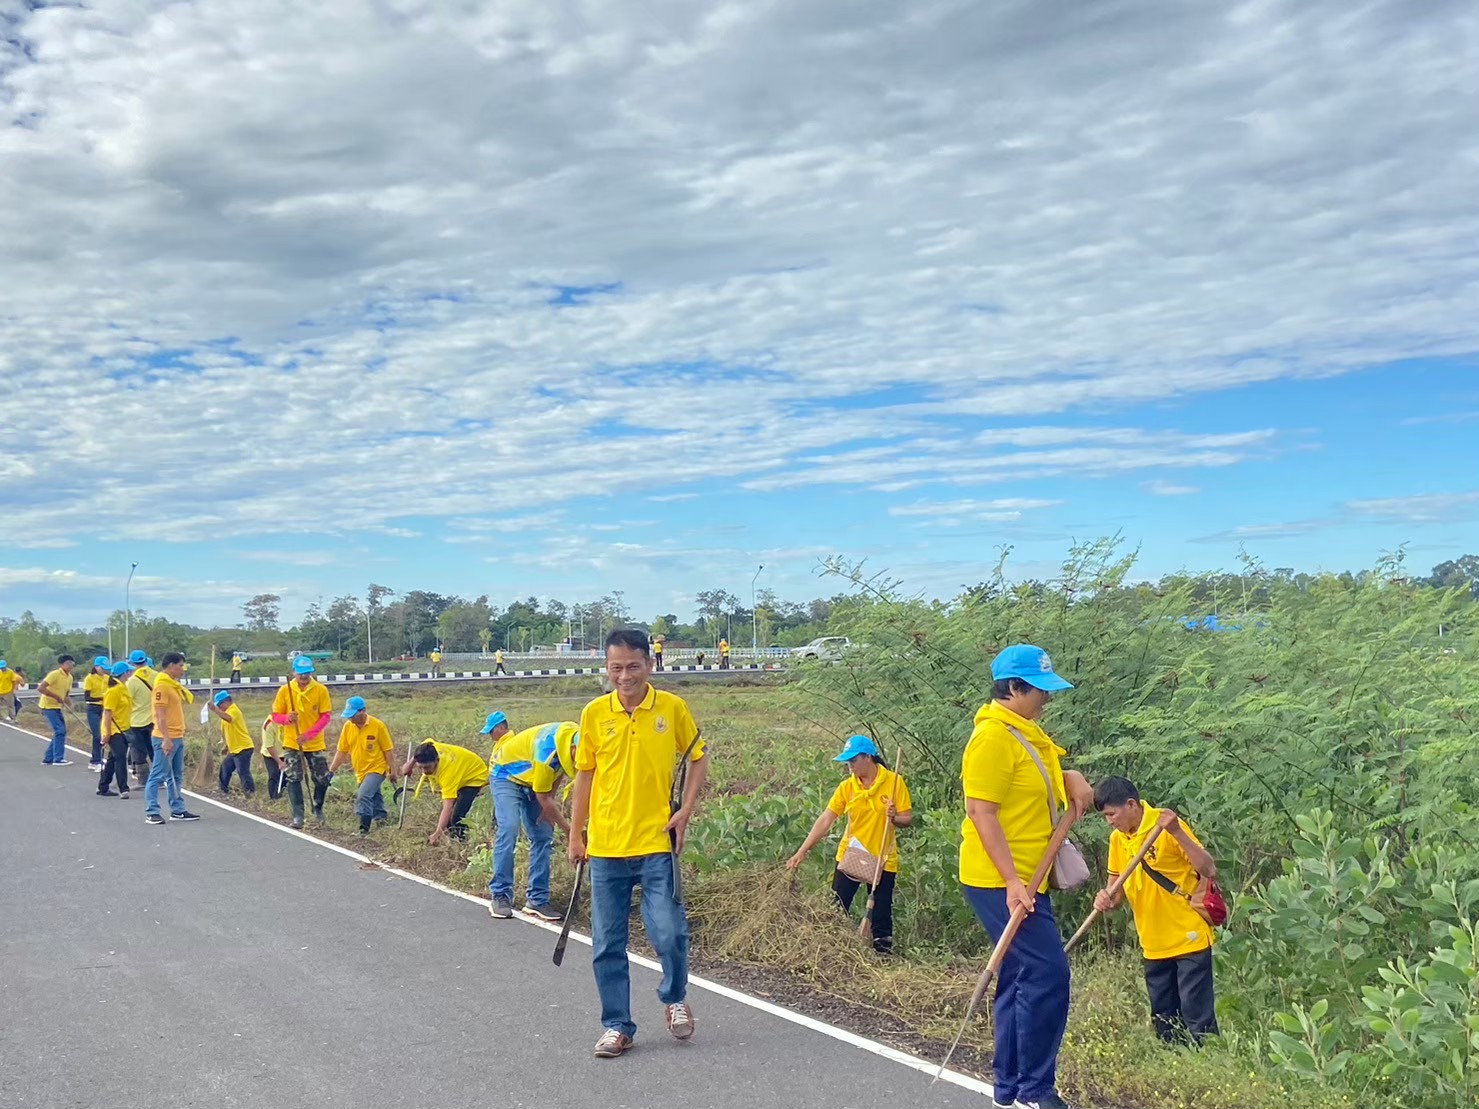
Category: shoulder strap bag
[1069,869]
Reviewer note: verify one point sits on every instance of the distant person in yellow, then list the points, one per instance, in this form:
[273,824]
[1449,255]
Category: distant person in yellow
[10,681]
[236,666]
[272,760]
[117,709]
[168,766]
[1174,938]
[526,768]
[459,774]
[141,721]
[303,708]
[94,685]
[624,824]
[657,654]
[237,738]
[871,801]
[498,662]
[365,741]
[54,692]
[723,654]
[436,662]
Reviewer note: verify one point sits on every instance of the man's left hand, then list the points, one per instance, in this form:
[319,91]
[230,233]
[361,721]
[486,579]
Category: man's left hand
[679,825]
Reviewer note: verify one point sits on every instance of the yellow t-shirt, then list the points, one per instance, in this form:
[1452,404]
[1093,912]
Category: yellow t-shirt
[657,646]
[117,701]
[995,767]
[865,813]
[457,768]
[369,748]
[141,696]
[236,662]
[1168,926]
[93,688]
[309,704]
[497,656]
[271,739]
[235,732]
[168,702]
[59,683]
[436,656]
[9,679]
[723,647]
[634,758]
[536,757]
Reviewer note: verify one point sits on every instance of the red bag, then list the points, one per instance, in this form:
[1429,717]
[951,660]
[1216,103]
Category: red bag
[1208,901]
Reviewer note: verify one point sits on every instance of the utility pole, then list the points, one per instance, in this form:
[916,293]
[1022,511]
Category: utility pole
[754,617]
[127,608]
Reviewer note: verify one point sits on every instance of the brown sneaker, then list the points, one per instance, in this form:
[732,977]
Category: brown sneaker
[680,1021]
[612,1043]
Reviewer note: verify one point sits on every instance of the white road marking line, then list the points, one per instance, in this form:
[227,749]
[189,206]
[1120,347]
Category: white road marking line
[892,1054]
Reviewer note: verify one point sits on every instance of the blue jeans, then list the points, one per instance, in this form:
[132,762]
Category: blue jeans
[513,805]
[57,751]
[1031,1007]
[95,725]
[168,771]
[369,802]
[612,883]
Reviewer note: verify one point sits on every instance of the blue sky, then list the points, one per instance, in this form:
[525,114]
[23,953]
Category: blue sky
[555,305]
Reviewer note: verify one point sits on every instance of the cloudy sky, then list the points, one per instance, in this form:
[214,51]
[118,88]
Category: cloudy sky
[562,297]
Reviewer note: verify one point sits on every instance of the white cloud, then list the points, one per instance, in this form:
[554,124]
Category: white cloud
[1428,508]
[293,558]
[1160,488]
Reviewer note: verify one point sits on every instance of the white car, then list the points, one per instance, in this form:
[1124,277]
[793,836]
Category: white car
[827,647]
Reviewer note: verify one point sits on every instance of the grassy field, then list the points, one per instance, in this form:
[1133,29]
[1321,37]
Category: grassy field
[761,931]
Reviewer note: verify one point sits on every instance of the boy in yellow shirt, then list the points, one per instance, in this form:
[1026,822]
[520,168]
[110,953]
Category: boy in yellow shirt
[53,693]
[117,708]
[459,774]
[239,746]
[624,825]
[365,742]
[1174,938]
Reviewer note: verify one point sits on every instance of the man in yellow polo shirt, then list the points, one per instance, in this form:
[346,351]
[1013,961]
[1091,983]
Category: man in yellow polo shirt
[238,740]
[303,708]
[141,717]
[1174,939]
[94,685]
[526,767]
[631,743]
[117,708]
[10,680]
[459,774]
[236,666]
[54,692]
[436,661]
[168,766]
[365,741]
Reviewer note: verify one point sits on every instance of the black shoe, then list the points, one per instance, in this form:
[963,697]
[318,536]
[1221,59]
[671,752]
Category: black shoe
[1047,1101]
[153,818]
[187,815]
[318,815]
[296,822]
[106,793]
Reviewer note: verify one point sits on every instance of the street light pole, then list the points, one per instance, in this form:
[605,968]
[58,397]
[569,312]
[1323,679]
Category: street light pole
[754,617]
[127,607]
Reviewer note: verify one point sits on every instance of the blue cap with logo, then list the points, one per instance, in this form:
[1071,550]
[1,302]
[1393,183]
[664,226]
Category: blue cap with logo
[353,707]
[4,665]
[102,662]
[222,697]
[857,745]
[118,669]
[494,719]
[302,665]
[1029,664]
[138,658]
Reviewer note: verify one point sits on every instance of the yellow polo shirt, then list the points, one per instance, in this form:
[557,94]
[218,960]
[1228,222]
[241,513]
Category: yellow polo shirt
[141,696]
[9,679]
[271,740]
[168,703]
[633,759]
[93,688]
[1167,924]
[58,682]
[235,732]
[117,701]
[995,767]
[309,704]
[536,757]
[865,813]
[369,748]
[458,768]
[236,662]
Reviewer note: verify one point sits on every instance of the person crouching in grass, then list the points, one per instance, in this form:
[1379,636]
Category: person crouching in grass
[239,746]
[459,774]
[365,741]
[1174,938]
[871,801]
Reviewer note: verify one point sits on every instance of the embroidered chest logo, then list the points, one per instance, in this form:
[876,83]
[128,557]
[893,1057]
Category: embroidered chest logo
[661,725]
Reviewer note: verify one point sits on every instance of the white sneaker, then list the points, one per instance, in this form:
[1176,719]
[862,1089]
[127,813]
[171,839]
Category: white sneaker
[63,762]
[95,767]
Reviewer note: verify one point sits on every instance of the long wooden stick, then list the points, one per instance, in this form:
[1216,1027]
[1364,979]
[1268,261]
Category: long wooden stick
[1119,883]
[1009,933]
[865,929]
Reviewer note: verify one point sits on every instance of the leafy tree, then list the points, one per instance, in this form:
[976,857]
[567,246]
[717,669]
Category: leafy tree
[262,612]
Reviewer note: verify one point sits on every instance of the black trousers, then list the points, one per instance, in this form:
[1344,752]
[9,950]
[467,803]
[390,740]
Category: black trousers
[883,908]
[274,777]
[1182,1006]
[141,745]
[465,797]
[240,764]
[657,658]
[236,675]
[116,765]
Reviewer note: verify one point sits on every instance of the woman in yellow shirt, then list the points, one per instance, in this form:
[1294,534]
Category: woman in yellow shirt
[1004,836]
[871,797]
[117,709]
[94,685]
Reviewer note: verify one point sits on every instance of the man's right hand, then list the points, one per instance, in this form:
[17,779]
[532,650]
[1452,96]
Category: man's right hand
[1102,902]
[167,745]
[1018,897]
[794,861]
[575,848]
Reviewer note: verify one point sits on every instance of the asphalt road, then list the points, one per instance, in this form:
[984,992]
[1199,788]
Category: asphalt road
[226,963]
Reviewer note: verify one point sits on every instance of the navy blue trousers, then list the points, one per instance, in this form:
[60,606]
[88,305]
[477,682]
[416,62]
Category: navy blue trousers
[1031,1007]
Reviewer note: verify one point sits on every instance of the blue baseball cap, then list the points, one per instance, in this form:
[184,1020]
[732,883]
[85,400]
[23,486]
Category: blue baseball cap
[118,669]
[1031,665]
[353,707]
[102,662]
[4,665]
[857,745]
[222,697]
[302,665]
[494,719]
[138,658]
